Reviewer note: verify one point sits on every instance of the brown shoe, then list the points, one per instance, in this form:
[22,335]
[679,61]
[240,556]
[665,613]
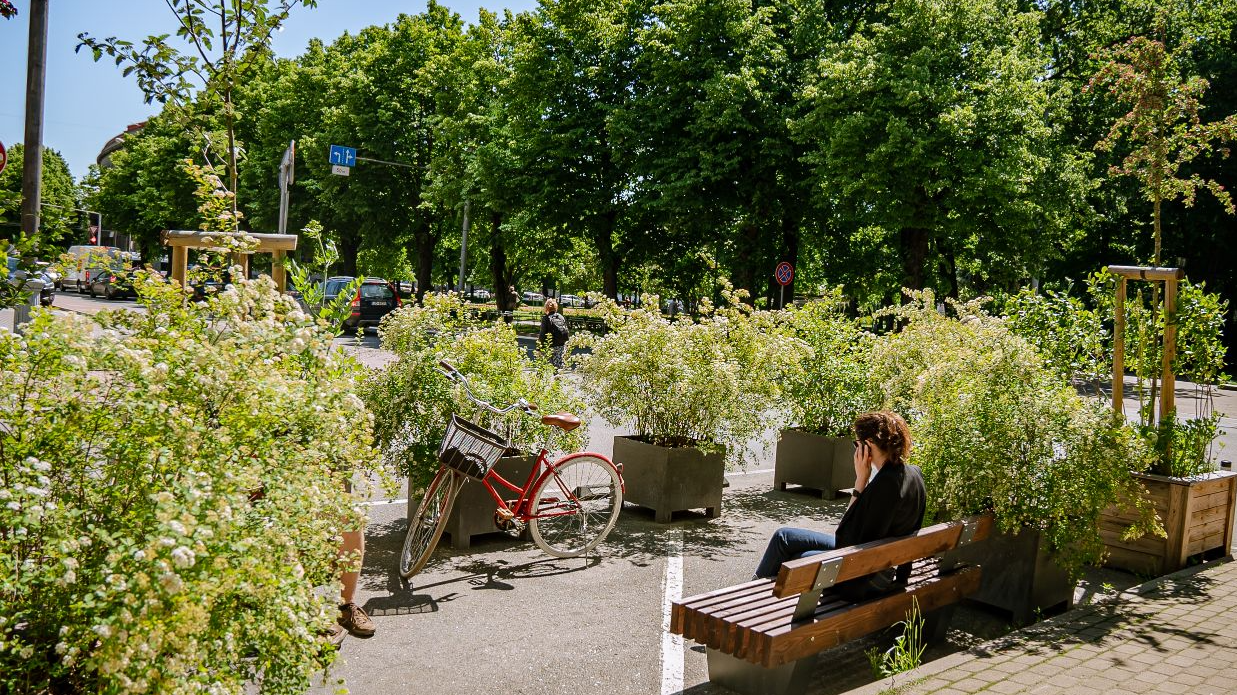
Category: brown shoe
[354,620]
[334,635]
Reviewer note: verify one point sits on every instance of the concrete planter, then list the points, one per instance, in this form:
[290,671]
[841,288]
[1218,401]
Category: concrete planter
[669,480]
[1197,514]
[812,461]
[1019,576]
[473,511]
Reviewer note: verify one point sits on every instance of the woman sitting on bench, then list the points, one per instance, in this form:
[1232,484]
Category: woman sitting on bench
[886,505]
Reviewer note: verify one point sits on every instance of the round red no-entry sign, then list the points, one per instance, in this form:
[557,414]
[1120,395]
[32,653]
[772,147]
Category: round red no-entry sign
[4,156]
[784,273]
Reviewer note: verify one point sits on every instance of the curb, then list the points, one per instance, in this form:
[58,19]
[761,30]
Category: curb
[909,678]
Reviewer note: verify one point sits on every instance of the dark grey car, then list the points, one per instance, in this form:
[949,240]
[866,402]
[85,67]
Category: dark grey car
[375,298]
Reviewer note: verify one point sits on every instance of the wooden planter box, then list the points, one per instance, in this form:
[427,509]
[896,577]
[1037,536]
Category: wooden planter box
[812,461]
[473,511]
[1197,514]
[669,480]
[1020,576]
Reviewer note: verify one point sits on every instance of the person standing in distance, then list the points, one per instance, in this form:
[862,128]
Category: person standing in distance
[554,325]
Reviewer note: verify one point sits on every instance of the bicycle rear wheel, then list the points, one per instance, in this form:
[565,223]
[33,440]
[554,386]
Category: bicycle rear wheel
[426,526]
[576,506]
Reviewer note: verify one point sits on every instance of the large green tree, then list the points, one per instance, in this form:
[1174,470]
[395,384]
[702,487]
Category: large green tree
[934,145]
[58,220]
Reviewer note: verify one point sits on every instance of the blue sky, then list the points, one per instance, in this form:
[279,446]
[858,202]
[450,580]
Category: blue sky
[87,103]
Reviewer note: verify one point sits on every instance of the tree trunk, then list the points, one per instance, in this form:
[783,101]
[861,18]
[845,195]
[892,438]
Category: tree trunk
[913,244]
[747,258]
[789,253]
[424,243]
[349,247]
[503,281]
[603,239]
[231,123]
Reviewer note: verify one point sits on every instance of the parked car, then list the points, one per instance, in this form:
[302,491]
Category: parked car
[375,298]
[50,280]
[480,294]
[21,280]
[113,282]
[570,300]
[335,285]
[533,298]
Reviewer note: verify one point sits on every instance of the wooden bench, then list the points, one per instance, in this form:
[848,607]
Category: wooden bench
[594,324]
[760,636]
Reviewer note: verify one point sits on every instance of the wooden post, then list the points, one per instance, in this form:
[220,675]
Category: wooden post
[1170,347]
[1118,350]
[278,273]
[242,259]
[180,264]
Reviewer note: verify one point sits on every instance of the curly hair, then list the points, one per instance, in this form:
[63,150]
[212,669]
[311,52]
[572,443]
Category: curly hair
[886,430]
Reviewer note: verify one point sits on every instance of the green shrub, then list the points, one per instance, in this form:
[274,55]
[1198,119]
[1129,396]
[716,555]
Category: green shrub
[708,382]
[831,387]
[412,402]
[137,556]
[996,429]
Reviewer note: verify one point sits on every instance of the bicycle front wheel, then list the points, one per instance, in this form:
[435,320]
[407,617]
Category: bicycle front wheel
[426,526]
[576,505]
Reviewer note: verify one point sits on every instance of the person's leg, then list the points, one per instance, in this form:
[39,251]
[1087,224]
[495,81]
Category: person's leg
[352,553]
[789,543]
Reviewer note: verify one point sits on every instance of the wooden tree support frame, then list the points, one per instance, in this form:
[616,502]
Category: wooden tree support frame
[275,244]
[1170,277]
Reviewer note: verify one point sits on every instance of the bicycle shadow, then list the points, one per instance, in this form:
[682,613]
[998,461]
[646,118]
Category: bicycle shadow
[415,598]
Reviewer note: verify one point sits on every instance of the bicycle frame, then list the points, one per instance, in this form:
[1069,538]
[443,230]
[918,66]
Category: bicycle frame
[542,469]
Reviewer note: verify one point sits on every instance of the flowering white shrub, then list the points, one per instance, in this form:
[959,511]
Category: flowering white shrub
[173,491]
[711,382]
[996,429]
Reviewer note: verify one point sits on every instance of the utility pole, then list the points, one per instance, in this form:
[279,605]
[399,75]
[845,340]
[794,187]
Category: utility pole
[32,163]
[463,249]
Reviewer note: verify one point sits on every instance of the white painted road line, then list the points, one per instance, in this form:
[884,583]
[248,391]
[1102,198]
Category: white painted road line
[375,503]
[672,644]
[759,470]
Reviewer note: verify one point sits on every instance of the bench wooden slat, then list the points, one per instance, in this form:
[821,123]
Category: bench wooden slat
[699,617]
[830,603]
[798,576]
[680,610]
[788,643]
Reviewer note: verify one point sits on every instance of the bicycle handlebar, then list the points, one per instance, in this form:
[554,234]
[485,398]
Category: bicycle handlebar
[448,370]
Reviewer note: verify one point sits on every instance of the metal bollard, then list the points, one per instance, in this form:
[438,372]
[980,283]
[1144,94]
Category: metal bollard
[21,312]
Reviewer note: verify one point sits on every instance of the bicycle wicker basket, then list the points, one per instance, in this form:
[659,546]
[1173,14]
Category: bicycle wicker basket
[470,448]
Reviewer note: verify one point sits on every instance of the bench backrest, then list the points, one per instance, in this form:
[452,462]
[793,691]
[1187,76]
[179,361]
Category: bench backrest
[826,569]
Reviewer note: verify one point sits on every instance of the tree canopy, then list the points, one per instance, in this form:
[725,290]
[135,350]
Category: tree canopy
[627,145]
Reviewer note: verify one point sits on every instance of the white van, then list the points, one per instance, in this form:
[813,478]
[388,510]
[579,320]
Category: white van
[80,261]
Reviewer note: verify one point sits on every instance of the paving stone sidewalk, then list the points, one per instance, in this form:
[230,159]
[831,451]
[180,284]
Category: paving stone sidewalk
[1175,635]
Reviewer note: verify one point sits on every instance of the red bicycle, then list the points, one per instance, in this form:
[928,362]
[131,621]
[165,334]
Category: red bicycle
[568,504]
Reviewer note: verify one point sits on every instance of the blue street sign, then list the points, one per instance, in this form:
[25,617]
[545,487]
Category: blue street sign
[343,156]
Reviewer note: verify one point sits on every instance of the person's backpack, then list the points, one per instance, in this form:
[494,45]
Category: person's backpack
[558,327]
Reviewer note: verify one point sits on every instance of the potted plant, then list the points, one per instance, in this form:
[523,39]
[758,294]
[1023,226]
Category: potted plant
[694,389]
[823,396]
[412,402]
[998,431]
[1193,500]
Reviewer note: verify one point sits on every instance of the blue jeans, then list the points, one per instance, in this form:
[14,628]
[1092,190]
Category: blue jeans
[790,543]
